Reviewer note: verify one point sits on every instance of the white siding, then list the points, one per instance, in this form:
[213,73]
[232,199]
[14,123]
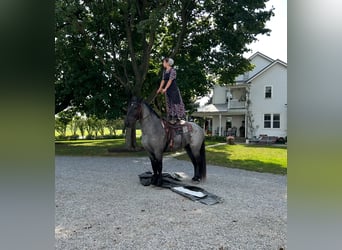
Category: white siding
[276,77]
[220,95]
[259,63]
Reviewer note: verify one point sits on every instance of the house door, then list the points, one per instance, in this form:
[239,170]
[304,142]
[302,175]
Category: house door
[228,126]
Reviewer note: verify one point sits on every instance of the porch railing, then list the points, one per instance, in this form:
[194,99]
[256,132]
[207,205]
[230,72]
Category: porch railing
[236,104]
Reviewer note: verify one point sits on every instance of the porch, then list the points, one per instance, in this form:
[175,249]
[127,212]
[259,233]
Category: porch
[223,123]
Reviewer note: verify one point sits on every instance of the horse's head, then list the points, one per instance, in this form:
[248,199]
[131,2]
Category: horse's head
[133,112]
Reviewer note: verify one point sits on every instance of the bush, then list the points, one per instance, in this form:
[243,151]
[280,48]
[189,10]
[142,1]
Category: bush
[230,140]
[111,137]
[216,138]
[66,138]
[281,140]
[90,137]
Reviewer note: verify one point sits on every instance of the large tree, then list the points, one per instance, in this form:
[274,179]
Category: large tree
[107,51]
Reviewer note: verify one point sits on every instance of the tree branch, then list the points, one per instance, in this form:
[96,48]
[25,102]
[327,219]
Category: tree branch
[185,16]
[128,30]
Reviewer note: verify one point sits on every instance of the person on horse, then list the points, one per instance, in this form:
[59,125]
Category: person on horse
[168,86]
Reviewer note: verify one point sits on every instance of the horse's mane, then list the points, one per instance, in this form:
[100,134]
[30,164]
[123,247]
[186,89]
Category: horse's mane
[151,109]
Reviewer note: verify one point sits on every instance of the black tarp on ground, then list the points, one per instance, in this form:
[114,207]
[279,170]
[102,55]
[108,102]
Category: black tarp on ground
[173,182]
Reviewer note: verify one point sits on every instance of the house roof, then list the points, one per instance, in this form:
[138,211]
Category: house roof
[213,108]
[217,109]
[262,55]
[265,69]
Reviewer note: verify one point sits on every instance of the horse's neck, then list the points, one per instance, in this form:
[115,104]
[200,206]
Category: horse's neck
[149,121]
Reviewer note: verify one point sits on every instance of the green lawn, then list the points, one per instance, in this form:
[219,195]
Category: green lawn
[93,148]
[97,147]
[268,159]
[249,157]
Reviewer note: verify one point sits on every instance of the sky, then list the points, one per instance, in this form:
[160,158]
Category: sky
[275,45]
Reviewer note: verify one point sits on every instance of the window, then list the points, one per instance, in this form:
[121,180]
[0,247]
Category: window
[276,120]
[268,91]
[267,120]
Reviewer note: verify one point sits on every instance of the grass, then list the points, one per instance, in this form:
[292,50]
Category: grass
[94,148]
[97,147]
[249,157]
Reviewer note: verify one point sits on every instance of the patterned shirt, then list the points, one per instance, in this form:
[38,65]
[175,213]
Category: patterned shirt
[173,74]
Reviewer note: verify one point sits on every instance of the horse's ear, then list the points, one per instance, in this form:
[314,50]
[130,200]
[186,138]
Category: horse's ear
[134,99]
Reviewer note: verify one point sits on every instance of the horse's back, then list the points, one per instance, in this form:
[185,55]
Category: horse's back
[197,133]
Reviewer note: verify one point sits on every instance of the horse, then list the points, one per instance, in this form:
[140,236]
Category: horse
[156,141]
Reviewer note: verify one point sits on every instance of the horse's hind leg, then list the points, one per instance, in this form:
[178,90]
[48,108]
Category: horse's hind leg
[196,176]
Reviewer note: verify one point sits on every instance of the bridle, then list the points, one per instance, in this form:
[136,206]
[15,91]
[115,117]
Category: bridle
[139,114]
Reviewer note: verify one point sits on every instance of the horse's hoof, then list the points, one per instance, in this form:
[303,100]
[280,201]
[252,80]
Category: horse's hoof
[154,180]
[159,182]
[196,180]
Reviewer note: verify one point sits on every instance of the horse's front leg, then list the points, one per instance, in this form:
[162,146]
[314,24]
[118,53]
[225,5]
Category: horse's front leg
[154,164]
[160,172]
[157,166]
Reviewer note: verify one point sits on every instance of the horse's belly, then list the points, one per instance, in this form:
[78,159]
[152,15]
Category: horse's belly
[179,142]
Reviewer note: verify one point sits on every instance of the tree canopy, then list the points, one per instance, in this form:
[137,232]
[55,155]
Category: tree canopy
[107,51]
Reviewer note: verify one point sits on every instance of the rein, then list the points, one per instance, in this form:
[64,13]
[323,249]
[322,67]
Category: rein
[139,113]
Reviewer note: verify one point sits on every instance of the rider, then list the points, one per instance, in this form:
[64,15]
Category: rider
[168,86]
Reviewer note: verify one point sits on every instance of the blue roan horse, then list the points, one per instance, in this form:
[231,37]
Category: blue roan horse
[156,141]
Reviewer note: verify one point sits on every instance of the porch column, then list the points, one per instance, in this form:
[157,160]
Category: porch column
[204,123]
[246,126]
[220,130]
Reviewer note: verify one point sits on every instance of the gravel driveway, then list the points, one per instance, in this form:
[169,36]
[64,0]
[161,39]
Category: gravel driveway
[100,204]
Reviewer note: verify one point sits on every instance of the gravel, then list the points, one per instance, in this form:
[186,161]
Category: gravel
[100,204]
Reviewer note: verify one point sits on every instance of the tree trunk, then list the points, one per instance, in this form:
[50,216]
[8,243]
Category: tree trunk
[131,138]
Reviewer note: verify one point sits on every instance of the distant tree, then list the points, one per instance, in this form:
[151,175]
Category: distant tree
[82,125]
[74,125]
[113,125]
[90,125]
[63,119]
[60,127]
[101,126]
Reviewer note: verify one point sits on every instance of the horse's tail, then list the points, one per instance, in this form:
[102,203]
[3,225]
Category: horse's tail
[203,166]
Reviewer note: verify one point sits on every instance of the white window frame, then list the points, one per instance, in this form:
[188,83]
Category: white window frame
[270,120]
[271,91]
[278,120]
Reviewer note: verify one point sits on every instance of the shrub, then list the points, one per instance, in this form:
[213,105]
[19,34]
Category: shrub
[215,138]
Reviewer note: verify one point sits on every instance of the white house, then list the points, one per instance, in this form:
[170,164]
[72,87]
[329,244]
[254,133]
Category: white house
[255,104]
